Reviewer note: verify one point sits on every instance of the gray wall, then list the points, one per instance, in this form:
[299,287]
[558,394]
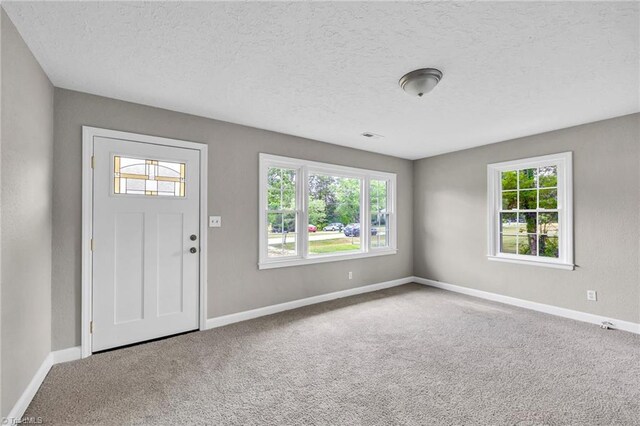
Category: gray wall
[450,220]
[235,283]
[1,30]
[26,163]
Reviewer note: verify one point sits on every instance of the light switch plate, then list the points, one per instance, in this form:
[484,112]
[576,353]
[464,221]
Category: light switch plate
[592,295]
[215,221]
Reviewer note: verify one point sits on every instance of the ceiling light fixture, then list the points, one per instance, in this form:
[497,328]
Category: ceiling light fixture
[420,82]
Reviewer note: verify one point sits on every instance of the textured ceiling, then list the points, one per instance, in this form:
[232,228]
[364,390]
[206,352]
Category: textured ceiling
[329,71]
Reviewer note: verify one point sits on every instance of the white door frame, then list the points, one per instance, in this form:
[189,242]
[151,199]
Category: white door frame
[88,133]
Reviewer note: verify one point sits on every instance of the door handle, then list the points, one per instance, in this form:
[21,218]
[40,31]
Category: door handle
[193,250]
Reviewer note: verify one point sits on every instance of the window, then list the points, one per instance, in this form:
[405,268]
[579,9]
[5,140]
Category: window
[378,196]
[282,212]
[530,211]
[148,177]
[314,212]
[334,200]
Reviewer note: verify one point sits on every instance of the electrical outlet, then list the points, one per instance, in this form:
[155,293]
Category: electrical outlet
[350,275]
[215,221]
[592,295]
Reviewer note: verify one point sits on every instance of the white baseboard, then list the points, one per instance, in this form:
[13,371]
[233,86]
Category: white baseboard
[23,402]
[65,355]
[535,306]
[74,353]
[274,309]
[56,357]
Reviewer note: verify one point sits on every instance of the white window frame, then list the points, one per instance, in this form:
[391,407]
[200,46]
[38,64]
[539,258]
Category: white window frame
[563,162]
[304,168]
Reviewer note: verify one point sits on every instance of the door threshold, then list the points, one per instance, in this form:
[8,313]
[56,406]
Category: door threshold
[144,342]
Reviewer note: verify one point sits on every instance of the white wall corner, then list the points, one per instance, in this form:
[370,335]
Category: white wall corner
[23,402]
[56,357]
[66,355]
[535,306]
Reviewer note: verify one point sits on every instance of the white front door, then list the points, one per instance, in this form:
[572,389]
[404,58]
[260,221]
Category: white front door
[146,241]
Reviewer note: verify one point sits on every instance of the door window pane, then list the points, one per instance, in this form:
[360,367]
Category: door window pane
[148,177]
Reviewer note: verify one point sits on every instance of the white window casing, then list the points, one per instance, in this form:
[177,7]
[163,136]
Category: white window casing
[563,163]
[303,169]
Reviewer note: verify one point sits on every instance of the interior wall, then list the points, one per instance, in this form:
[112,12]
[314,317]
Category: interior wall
[1,27]
[235,283]
[26,174]
[450,220]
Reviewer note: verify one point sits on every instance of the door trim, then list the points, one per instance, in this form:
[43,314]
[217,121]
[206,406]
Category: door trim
[88,133]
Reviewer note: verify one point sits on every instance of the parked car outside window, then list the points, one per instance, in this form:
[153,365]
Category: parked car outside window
[353,230]
[333,227]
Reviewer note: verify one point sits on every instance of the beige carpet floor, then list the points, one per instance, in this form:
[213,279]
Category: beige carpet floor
[410,355]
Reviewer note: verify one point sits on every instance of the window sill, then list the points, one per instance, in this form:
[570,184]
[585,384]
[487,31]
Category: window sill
[555,265]
[324,259]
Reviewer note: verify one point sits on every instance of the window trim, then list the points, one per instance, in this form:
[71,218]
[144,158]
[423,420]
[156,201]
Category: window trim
[563,161]
[304,168]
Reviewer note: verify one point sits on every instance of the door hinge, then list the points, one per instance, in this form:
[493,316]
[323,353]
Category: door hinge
[93,161]
[91,327]
[92,244]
